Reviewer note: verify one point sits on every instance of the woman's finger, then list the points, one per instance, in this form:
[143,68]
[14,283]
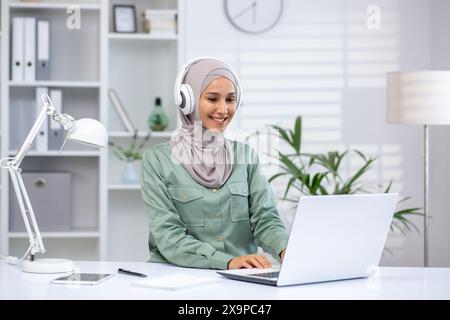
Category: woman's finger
[269,264]
[264,262]
[254,261]
[246,265]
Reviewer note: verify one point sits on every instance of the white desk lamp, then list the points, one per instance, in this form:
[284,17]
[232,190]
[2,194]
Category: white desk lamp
[420,97]
[85,131]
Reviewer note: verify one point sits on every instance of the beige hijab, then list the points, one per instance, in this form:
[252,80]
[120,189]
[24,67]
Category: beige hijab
[207,156]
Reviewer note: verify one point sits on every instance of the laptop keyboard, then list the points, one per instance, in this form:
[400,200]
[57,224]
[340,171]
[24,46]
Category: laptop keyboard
[266,274]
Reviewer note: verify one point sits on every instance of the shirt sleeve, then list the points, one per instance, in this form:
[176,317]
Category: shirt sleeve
[268,228]
[166,226]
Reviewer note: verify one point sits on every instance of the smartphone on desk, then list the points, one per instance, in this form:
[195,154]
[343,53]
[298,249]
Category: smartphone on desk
[83,278]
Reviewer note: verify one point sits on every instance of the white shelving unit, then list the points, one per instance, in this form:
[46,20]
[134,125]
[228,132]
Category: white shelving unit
[123,187]
[4,57]
[154,60]
[141,134]
[54,153]
[59,84]
[71,234]
[52,5]
[141,37]
[109,220]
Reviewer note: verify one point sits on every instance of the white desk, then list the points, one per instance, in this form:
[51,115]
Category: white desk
[387,283]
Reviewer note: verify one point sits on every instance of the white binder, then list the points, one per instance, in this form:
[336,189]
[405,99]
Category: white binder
[41,140]
[30,49]
[17,52]
[56,133]
[56,97]
[43,50]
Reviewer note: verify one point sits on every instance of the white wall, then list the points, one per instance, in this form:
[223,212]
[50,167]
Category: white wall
[439,146]
[338,85]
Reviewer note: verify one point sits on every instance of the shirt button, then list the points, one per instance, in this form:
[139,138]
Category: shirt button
[214,190]
[184,196]
[220,238]
[218,215]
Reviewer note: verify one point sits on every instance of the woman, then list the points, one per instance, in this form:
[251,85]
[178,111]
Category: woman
[209,205]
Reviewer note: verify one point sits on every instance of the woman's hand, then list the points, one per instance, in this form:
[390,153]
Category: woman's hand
[249,261]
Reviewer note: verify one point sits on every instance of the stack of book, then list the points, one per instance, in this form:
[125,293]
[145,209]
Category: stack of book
[160,22]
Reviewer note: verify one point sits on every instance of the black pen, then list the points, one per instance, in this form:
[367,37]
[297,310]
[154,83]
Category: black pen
[131,273]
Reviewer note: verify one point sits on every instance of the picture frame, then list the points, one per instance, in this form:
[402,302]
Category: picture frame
[124,18]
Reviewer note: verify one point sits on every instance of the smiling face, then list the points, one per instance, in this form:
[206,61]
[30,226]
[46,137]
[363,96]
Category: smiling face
[218,104]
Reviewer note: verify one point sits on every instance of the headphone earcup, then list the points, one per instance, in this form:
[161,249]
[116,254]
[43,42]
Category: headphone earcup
[187,105]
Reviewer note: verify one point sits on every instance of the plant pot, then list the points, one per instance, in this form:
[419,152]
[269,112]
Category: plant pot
[129,174]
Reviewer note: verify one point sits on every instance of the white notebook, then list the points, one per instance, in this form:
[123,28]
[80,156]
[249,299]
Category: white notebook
[176,282]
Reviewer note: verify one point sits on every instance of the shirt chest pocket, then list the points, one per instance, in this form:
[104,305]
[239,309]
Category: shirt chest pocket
[238,201]
[189,204]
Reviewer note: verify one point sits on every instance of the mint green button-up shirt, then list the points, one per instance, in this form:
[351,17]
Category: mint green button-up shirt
[196,226]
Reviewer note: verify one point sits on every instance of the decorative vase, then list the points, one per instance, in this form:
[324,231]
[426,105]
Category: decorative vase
[129,174]
[158,120]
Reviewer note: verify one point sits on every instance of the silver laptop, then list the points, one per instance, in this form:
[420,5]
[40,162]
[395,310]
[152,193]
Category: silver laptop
[333,237]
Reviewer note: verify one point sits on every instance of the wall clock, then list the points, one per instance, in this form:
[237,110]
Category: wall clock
[254,16]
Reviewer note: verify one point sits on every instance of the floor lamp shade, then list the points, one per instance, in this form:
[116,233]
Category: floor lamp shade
[418,97]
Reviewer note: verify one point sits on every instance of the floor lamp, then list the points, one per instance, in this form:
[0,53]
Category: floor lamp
[423,98]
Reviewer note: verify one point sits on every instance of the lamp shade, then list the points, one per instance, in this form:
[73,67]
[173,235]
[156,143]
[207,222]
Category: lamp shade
[418,97]
[89,131]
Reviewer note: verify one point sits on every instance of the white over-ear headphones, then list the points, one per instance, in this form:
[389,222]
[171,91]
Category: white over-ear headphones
[184,95]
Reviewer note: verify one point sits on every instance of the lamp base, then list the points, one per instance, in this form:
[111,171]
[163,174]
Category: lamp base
[48,266]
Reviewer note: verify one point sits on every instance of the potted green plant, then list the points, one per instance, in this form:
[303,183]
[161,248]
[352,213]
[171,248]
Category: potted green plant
[321,174]
[130,154]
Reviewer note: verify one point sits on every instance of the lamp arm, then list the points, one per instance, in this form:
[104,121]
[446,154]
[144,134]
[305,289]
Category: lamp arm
[34,235]
[45,111]
[65,120]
